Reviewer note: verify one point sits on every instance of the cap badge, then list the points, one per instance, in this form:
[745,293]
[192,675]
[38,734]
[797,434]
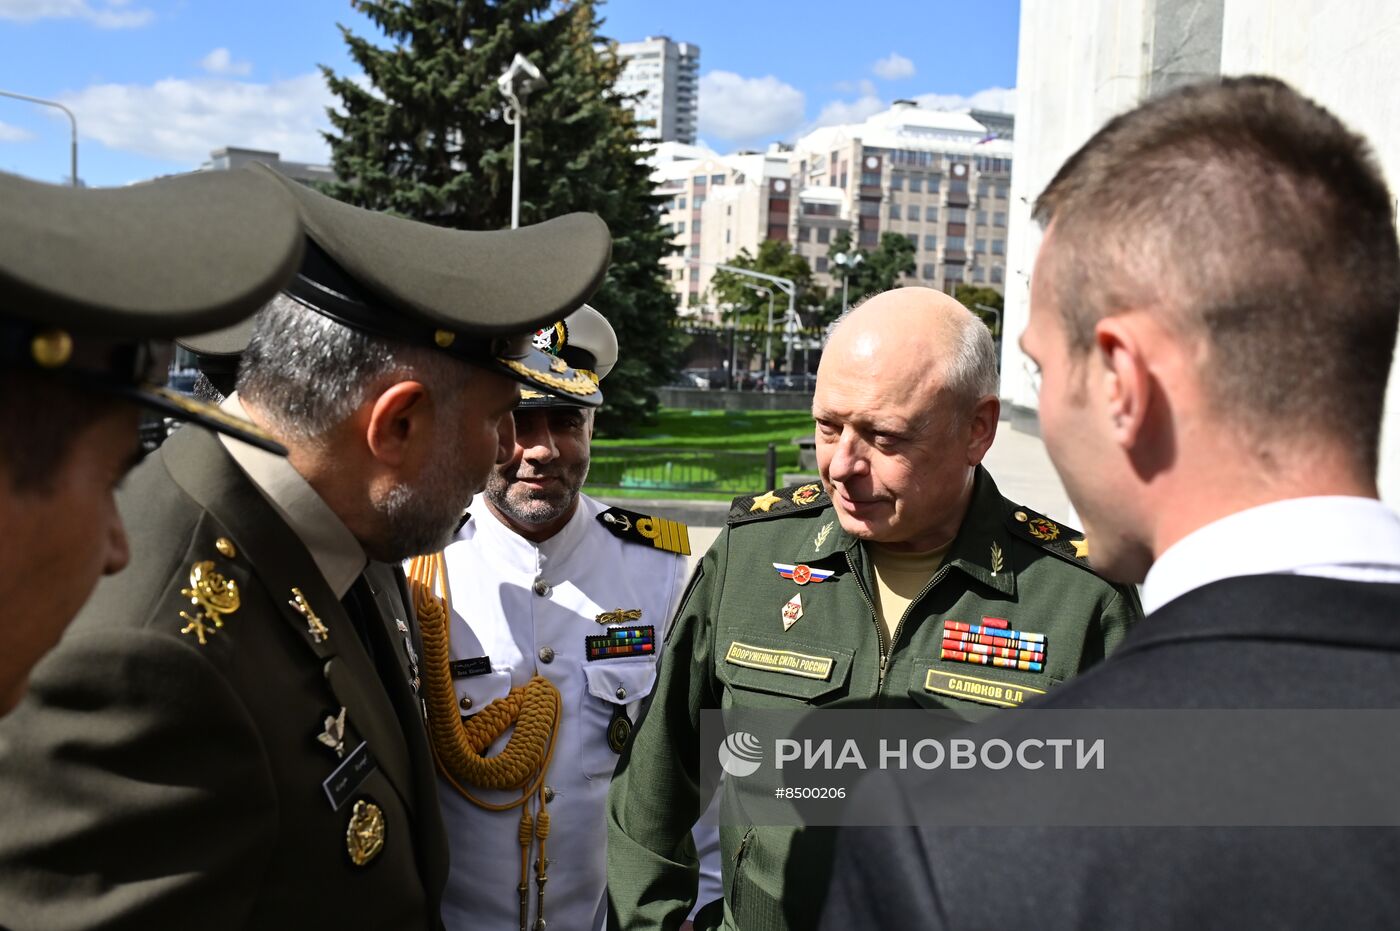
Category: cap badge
[214,595]
[551,339]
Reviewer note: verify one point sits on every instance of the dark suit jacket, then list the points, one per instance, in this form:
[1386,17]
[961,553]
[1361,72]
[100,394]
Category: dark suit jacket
[151,782]
[1252,642]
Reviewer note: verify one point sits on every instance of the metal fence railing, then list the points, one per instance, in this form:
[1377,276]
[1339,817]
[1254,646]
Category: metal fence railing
[647,468]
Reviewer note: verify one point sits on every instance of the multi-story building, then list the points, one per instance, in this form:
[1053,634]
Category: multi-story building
[667,76]
[231,157]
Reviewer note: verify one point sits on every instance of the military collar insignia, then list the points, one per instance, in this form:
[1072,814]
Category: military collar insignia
[823,534]
[214,596]
[659,532]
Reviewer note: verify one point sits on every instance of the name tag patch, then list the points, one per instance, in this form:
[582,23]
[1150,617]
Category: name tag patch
[475,666]
[986,691]
[785,661]
[347,778]
[621,641]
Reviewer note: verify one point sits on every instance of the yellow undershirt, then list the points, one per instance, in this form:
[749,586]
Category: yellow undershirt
[899,578]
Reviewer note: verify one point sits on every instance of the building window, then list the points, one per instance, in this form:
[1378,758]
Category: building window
[957,186]
[697,201]
[981,218]
[896,181]
[870,208]
[929,270]
[952,274]
[930,213]
[916,183]
[999,218]
[913,211]
[699,180]
[998,247]
[913,240]
[984,188]
[727,236]
[956,243]
[996,274]
[930,243]
[824,234]
[680,203]
[934,181]
[870,179]
[978,274]
[957,214]
[821,263]
[716,179]
[981,245]
[894,211]
[695,250]
[1003,191]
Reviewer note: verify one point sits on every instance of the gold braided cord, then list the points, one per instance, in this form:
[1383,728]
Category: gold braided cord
[534,708]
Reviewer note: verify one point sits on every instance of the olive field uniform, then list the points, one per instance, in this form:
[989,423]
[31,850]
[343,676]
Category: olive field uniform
[780,613]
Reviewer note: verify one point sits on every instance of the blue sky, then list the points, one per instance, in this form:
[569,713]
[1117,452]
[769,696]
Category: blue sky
[156,84]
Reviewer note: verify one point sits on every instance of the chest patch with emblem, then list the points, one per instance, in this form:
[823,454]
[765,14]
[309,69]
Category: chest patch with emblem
[787,662]
[621,641]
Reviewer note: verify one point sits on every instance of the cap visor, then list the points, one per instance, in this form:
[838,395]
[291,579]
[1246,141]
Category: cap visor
[181,407]
[549,375]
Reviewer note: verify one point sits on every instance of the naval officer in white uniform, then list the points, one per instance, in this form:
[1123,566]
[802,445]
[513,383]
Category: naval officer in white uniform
[545,581]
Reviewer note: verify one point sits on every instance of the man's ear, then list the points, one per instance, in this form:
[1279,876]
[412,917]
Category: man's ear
[1124,382]
[400,411]
[985,415]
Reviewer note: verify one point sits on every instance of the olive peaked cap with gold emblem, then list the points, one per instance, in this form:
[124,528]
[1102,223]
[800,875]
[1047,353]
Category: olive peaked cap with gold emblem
[94,281]
[471,294]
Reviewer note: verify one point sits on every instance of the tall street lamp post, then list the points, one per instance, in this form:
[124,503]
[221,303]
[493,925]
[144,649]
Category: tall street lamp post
[73,144]
[848,263]
[515,86]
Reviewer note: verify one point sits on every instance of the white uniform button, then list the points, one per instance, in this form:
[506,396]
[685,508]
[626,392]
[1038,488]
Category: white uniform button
[541,587]
[546,654]
[548,793]
[466,703]
[621,692]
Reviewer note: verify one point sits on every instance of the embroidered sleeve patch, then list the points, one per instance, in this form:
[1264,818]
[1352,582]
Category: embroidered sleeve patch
[784,661]
[621,641]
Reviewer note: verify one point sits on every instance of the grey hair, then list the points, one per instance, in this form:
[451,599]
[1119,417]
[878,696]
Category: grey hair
[308,374]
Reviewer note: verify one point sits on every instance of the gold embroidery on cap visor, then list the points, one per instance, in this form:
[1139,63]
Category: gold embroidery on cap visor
[579,384]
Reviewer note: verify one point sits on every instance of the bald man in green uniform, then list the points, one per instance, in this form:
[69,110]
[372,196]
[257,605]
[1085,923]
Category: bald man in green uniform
[903,580]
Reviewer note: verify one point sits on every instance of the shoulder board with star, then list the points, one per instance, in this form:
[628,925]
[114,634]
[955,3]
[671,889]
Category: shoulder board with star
[647,529]
[776,502]
[1062,540]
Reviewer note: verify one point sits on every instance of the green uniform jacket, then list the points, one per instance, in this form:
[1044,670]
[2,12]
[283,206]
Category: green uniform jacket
[151,782]
[1007,562]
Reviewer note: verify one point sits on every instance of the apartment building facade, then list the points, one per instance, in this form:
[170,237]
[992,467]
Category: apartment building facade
[667,76]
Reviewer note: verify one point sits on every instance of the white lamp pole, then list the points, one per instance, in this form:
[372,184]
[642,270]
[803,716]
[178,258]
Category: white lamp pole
[848,263]
[73,145]
[515,86]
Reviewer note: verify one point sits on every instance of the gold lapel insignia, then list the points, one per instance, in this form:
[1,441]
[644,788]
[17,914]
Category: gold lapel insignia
[823,534]
[1081,548]
[214,595]
[620,616]
[1043,529]
[806,494]
[996,558]
[364,835]
[764,502]
[333,733]
[225,547]
[318,631]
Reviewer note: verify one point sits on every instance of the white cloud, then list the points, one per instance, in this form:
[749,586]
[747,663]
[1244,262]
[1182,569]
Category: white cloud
[894,67]
[740,109]
[220,61]
[10,133]
[182,120]
[105,14]
[997,99]
[848,111]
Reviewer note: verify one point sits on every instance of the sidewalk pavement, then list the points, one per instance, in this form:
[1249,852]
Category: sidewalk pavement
[1017,460]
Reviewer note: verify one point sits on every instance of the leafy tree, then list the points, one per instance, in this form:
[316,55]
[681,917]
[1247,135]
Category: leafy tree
[879,270]
[970,296]
[423,136]
[774,258]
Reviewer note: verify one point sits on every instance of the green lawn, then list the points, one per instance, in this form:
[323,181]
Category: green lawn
[626,460]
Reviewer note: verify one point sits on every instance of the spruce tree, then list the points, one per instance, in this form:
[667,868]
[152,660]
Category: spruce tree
[423,136]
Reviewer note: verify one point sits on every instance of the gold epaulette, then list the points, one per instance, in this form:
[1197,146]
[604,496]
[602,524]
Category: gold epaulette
[669,535]
[777,501]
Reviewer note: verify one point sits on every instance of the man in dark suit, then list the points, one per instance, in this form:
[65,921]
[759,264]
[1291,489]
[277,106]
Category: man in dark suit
[1213,310]
[93,283]
[229,736]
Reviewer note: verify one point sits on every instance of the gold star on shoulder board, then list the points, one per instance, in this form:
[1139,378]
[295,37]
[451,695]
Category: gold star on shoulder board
[764,501]
[1081,548]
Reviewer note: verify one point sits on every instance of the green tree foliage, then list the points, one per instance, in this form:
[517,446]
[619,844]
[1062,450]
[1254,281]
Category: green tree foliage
[971,296]
[878,270]
[751,307]
[423,136]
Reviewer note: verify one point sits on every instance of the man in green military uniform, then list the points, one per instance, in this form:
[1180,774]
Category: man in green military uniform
[904,579]
[230,736]
[93,283]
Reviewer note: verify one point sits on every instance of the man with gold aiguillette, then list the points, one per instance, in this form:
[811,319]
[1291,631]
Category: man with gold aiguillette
[903,580]
[558,604]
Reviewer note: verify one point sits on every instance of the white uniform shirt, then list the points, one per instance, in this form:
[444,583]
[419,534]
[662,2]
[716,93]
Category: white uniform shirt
[528,608]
